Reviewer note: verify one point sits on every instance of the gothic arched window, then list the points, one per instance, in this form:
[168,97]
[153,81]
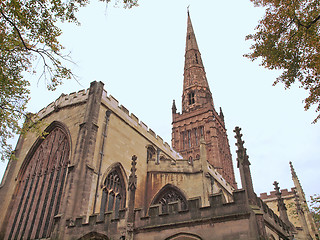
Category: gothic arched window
[170,194]
[150,153]
[113,192]
[40,188]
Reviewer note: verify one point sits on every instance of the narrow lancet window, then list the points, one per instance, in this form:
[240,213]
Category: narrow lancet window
[201,131]
[189,138]
[191,98]
[196,136]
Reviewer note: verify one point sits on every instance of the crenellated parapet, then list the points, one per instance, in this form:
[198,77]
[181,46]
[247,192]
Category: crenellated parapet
[64,101]
[112,103]
[131,119]
[113,225]
[110,224]
[285,193]
[272,218]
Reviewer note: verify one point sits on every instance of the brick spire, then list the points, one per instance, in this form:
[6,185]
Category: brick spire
[198,117]
[196,92]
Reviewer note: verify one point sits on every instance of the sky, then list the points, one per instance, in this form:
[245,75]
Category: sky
[139,55]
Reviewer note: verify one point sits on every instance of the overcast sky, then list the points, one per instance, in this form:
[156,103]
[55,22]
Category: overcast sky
[139,55]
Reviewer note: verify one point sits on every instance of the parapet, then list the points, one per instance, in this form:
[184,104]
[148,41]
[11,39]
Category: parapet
[173,215]
[64,101]
[271,217]
[272,196]
[112,103]
[133,121]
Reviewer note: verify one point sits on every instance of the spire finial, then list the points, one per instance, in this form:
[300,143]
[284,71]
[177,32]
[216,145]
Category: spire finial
[296,182]
[293,172]
[281,205]
[244,167]
[174,108]
[242,156]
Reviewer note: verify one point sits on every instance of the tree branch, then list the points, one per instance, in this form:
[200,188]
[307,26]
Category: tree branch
[313,22]
[16,28]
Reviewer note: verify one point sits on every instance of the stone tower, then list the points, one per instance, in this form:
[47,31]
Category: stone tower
[199,117]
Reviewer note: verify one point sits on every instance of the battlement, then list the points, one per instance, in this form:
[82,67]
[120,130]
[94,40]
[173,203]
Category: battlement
[112,103]
[218,210]
[270,216]
[140,126]
[272,196]
[157,216]
[64,101]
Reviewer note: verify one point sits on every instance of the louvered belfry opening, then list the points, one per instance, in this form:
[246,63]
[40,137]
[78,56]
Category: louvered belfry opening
[113,193]
[40,188]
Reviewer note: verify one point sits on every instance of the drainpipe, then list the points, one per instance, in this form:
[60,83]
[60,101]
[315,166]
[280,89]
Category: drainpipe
[103,137]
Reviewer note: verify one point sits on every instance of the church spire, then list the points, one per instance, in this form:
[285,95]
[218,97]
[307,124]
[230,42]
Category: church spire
[297,183]
[196,92]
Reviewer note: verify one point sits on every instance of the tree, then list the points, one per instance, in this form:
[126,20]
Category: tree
[29,31]
[315,209]
[288,39]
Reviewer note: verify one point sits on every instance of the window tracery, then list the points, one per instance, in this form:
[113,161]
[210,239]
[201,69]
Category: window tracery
[169,195]
[113,193]
[41,182]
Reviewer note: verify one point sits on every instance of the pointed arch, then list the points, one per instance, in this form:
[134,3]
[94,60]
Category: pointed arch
[168,194]
[150,153]
[40,185]
[55,124]
[184,236]
[114,187]
[94,236]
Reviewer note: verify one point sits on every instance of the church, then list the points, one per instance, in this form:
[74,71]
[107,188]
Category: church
[99,172]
